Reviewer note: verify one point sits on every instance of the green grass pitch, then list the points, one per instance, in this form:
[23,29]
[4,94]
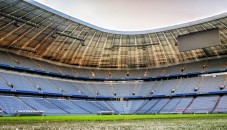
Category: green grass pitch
[122,122]
[107,117]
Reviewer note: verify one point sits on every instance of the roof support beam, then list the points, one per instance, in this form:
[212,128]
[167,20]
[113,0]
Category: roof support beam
[68,35]
[19,19]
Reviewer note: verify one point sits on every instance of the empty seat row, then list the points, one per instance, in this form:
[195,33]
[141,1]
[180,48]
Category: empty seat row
[53,106]
[50,106]
[37,83]
[16,60]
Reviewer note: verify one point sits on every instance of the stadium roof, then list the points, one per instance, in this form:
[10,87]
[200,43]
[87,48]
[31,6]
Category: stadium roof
[32,29]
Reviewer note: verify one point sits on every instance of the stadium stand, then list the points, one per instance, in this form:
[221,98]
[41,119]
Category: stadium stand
[147,106]
[68,106]
[202,104]
[221,105]
[43,105]
[10,104]
[44,74]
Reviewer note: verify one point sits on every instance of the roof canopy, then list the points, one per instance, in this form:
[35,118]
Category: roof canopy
[32,29]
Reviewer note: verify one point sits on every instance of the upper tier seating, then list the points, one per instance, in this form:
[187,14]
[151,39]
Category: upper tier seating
[43,85]
[17,82]
[16,60]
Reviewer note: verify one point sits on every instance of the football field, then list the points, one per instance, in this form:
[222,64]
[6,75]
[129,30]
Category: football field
[116,122]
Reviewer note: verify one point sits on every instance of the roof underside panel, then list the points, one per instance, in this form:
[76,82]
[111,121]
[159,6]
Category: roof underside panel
[33,31]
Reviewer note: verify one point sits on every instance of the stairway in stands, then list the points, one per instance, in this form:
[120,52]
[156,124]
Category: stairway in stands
[164,106]
[216,104]
[186,109]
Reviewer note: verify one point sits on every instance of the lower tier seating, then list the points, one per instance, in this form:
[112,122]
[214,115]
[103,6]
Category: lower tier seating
[10,105]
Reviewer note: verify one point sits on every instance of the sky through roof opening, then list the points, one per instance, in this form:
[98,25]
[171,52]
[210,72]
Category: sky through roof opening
[137,15]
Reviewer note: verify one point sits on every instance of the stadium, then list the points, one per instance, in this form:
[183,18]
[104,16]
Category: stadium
[56,69]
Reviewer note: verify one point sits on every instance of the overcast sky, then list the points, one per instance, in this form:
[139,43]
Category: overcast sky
[137,15]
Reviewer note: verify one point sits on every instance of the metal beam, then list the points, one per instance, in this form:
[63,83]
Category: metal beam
[138,45]
[68,35]
[19,19]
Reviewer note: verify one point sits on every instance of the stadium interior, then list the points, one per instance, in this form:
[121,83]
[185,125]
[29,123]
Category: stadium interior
[53,64]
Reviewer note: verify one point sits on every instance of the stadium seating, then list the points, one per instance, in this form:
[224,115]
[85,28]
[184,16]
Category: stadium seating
[10,104]
[50,106]
[202,104]
[16,60]
[158,106]
[88,106]
[43,105]
[17,81]
[221,106]
[170,106]
[146,106]
[181,105]
[14,81]
[68,106]
[135,106]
